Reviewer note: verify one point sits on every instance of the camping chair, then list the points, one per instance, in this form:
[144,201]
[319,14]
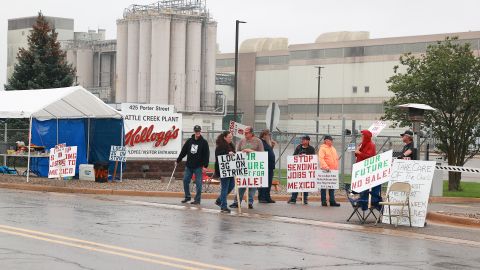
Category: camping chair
[358,202]
[400,187]
[207,179]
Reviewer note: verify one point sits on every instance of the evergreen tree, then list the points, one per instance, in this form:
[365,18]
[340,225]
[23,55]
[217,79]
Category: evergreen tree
[44,63]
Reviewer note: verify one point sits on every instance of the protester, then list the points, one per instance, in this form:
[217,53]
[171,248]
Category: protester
[365,150]
[227,184]
[248,144]
[197,152]
[328,159]
[302,149]
[268,144]
[408,151]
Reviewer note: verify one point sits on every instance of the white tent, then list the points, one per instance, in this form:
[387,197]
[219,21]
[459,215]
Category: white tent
[58,103]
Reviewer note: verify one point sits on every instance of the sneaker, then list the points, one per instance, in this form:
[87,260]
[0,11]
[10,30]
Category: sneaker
[225,210]
[334,204]
[324,204]
[218,202]
[291,202]
[234,205]
[305,202]
[195,202]
[270,201]
[250,206]
[186,200]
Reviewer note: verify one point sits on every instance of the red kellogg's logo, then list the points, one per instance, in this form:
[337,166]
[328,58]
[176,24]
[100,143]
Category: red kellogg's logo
[146,134]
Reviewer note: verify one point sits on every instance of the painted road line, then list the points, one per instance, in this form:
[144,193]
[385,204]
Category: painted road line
[115,250]
[330,225]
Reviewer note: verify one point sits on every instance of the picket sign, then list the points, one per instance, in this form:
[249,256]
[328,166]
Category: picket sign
[237,129]
[328,179]
[257,171]
[232,165]
[302,173]
[377,127]
[371,172]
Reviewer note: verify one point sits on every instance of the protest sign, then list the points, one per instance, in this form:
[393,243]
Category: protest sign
[301,173]
[118,153]
[237,129]
[371,172]
[62,161]
[327,179]
[419,175]
[377,127]
[232,165]
[257,167]
[152,131]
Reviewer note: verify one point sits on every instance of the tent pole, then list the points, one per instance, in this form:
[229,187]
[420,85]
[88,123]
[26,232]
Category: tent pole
[88,140]
[57,131]
[29,144]
[123,144]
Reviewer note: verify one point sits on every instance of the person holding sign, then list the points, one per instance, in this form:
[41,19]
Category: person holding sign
[365,150]
[268,144]
[247,145]
[302,149]
[408,151]
[197,152]
[328,159]
[227,184]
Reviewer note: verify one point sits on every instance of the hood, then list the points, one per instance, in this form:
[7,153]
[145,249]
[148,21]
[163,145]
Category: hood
[367,136]
[199,139]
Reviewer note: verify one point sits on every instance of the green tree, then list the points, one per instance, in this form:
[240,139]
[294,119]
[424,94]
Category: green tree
[447,78]
[43,64]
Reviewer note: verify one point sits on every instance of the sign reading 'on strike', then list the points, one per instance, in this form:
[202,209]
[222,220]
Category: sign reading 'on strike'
[232,165]
[372,172]
[302,173]
[257,167]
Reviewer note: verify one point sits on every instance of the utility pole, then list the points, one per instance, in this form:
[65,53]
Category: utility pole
[235,91]
[318,100]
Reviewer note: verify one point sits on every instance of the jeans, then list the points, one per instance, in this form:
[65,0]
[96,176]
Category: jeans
[331,194]
[376,197]
[241,192]
[226,186]
[295,195]
[264,192]
[198,182]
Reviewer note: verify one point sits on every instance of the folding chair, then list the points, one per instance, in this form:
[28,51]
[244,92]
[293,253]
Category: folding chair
[358,203]
[397,187]
[207,179]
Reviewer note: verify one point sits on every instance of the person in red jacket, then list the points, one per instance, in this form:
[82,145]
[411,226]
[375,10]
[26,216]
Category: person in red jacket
[364,151]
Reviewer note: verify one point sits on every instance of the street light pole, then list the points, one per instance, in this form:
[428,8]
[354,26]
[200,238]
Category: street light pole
[237,23]
[318,100]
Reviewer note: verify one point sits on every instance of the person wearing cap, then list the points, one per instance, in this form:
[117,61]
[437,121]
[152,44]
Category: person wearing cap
[408,151]
[247,145]
[198,154]
[328,159]
[264,195]
[365,150]
[302,149]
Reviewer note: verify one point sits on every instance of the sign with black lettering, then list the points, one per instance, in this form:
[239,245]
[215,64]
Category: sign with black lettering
[118,153]
[327,179]
[232,165]
[257,167]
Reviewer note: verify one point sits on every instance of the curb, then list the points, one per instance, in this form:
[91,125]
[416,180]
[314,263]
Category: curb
[453,220]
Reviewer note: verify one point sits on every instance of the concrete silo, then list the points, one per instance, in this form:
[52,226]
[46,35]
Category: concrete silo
[145,42]
[160,61]
[193,64]
[72,57]
[176,93]
[208,97]
[121,65]
[106,63]
[132,60]
[85,67]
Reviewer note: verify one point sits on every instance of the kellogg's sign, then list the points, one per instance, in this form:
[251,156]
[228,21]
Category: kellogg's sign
[152,131]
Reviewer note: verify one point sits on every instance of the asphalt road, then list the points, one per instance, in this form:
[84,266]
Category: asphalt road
[66,231]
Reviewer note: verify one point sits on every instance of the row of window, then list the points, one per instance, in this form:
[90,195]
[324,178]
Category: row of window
[326,109]
[355,89]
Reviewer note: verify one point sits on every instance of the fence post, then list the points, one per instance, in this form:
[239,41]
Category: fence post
[354,139]
[5,140]
[342,164]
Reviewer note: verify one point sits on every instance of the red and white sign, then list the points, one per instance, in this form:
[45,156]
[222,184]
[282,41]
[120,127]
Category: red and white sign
[151,131]
[62,161]
[237,129]
[372,172]
[377,127]
[257,171]
[302,173]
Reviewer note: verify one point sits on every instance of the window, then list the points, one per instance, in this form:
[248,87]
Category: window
[354,89]
[354,51]
[367,89]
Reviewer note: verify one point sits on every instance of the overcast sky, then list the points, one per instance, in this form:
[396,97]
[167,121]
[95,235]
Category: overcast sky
[299,20]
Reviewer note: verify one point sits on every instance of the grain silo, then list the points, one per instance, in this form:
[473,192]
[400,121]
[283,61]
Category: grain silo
[166,54]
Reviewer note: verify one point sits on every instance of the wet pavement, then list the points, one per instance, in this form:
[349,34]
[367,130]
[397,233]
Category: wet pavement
[66,231]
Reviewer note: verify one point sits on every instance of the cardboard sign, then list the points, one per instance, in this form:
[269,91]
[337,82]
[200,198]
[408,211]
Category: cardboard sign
[302,173]
[328,179]
[232,165]
[372,172]
[62,162]
[150,132]
[118,153]
[377,127]
[419,175]
[237,129]
[257,175]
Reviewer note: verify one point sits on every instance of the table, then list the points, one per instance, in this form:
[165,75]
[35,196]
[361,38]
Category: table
[35,157]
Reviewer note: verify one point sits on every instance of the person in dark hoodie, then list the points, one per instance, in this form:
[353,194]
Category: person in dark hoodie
[364,151]
[197,152]
[264,195]
[227,184]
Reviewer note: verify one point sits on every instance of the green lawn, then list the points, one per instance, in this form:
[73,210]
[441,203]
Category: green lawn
[471,190]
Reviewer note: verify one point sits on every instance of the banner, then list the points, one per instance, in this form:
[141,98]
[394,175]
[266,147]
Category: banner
[257,167]
[302,173]
[237,129]
[151,131]
[232,165]
[62,161]
[118,153]
[419,175]
[328,179]
[377,127]
[371,172]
